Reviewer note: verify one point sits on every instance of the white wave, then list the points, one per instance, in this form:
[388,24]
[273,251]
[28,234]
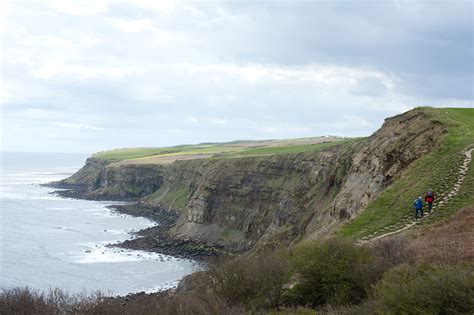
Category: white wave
[51,197]
[162,287]
[117,232]
[102,254]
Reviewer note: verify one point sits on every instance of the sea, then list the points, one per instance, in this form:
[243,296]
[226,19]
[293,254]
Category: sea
[49,242]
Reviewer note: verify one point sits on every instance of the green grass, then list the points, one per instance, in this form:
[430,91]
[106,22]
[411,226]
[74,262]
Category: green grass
[216,149]
[130,153]
[393,208]
[207,150]
[175,198]
[288,149]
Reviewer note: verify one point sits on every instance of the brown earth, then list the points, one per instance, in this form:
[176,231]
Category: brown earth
[448,241]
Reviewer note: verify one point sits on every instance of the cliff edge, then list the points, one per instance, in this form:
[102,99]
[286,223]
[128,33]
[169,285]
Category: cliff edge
[274,196]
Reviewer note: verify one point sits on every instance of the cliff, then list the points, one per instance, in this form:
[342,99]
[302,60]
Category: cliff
[243,202]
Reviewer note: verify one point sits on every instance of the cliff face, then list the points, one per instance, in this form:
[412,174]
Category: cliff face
[377,162]
[103,178]
[240,203]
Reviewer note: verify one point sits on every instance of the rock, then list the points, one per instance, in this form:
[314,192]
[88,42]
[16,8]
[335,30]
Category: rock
[240,203]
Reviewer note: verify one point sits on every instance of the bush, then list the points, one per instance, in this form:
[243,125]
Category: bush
[387,253]
[424,289]
[21,301]
[26,301]
[331,272]
[295,311]
[367,307]
[254,281]
[390,252]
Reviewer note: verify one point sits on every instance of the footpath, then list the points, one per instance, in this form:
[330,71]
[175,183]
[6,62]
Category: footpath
[443,198]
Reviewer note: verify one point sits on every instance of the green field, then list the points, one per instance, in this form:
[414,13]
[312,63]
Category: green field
[131,153]
[288,149]
[232,149]
[438,170]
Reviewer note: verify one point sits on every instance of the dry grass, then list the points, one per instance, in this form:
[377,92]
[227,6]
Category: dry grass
[449,241]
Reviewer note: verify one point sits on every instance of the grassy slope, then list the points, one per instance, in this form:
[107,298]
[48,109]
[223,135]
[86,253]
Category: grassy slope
[438,170]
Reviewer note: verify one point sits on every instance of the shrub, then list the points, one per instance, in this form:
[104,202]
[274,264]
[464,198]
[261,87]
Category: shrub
[367,307]
[22,301]
[26,301]
[231,280]
[295,311]
[389,252]
[256,281]
[331,272]
[424,289]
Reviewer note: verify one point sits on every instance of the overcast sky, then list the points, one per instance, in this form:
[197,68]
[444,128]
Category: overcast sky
[91,75]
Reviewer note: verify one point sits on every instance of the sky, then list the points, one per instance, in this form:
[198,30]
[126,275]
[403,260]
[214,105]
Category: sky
[85,76]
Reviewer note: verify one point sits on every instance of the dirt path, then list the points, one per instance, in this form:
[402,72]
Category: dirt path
[444,197]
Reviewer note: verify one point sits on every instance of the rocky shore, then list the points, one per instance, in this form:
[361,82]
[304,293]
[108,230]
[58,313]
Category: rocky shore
[158,239]
[73,191]
[155,239]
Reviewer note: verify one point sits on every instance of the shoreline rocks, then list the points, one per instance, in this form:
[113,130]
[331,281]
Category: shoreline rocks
[154,239]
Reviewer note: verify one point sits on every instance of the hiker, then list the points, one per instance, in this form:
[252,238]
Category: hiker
[418,203]
[429,198]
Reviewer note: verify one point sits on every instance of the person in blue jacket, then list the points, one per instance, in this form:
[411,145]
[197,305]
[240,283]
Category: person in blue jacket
[418,203]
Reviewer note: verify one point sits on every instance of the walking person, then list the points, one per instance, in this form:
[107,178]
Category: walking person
[429,199]
[418,204]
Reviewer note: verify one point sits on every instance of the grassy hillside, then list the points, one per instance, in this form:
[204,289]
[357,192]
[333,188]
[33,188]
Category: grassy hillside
[393,209]
[231,149]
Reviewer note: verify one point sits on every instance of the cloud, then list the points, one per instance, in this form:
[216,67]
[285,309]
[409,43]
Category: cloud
[58,68]
[147,73]
[74,125]
[79,8]
[132,25]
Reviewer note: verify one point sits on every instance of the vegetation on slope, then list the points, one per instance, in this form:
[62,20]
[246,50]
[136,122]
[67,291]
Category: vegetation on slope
[438,170]
[331,277]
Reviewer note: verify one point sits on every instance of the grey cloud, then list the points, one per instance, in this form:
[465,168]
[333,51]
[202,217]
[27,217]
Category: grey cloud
[241,69]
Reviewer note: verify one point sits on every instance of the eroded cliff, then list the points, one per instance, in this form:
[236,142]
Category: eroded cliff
[245,202]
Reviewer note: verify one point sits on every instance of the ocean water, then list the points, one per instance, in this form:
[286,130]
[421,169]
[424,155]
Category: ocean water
[51,242]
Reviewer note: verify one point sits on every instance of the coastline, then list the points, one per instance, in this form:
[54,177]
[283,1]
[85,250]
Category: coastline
[157,239]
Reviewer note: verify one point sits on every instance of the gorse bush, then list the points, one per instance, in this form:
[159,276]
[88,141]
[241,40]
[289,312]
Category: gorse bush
[424,289]
[331,272]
